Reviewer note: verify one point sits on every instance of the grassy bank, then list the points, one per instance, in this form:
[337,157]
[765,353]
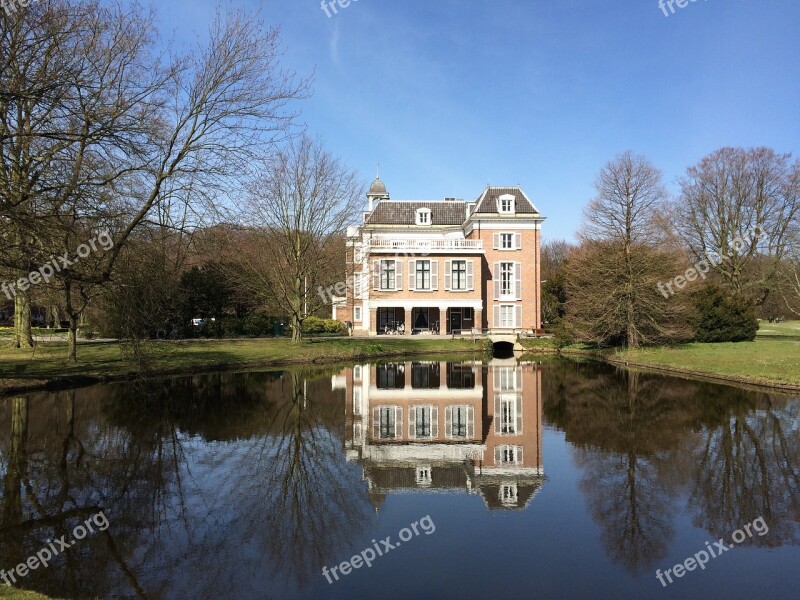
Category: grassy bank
[768,361]
[11,593]
[47,365]
[765,361]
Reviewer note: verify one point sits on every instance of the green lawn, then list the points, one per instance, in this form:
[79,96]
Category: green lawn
[7,332]
[15,594]
[100,361]
[770,361]
[767,360]
[787,328]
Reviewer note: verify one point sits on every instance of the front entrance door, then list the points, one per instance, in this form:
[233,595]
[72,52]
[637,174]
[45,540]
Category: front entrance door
[455,319]
[421,320]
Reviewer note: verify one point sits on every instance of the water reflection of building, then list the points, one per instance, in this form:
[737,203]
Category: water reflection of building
[441,426]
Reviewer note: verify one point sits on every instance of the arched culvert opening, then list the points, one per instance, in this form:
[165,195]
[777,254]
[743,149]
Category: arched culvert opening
[503,350]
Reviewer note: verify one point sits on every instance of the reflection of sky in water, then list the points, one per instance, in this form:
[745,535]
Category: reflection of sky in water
[245,485]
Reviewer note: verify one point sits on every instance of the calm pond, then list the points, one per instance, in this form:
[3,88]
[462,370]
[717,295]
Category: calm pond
[419,479]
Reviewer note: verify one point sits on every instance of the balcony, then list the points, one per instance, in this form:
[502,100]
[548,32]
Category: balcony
[422,246]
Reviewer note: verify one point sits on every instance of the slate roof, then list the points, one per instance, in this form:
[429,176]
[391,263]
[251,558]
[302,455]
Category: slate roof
[487,201]
[396,212]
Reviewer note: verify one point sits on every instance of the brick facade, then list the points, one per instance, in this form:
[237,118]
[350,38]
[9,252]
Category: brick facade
[404,246]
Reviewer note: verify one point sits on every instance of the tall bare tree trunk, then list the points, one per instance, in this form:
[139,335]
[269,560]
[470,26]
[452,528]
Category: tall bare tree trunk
[73,315]
[297,307]
[11,506]
[72,339]
[632,335]
[23,335]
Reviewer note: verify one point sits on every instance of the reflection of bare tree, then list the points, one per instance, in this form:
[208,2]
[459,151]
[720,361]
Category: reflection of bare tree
[645,439]
[312,505]
[196,475]
[625,495]
[748,467]
[11,508]
[62,479]
[278,500]
[631,504]
[626,426]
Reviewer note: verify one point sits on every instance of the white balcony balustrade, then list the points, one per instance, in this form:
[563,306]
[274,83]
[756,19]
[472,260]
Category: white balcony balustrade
[456,245]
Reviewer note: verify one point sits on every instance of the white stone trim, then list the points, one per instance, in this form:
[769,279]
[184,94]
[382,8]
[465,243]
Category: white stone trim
[443,393]
[504,225]
[408,304]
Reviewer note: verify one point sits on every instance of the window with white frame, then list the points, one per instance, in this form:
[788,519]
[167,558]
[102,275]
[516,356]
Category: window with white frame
[424,475]
[509,495]
[507,278]
[423,216]
[387,422]
[508,379]
[423,275]
[508,455]
[508,414]
[357,313]
[357,399]
[507,240]
[358,254]
[423,422]
[505,204]
[357,370]
[507,315]
[388,274]
[459,275]
[358,287]
[460,422]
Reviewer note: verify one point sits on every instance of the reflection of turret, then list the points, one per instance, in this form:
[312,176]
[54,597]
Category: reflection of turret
[430,426]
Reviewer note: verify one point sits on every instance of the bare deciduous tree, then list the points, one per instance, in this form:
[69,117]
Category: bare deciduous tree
[733,194]
[790,271]
[99,134]
[613,297]
[621,220]
[299,205]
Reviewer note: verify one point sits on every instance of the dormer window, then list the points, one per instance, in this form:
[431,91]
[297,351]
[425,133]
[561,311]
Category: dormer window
[505,204]
[424,216]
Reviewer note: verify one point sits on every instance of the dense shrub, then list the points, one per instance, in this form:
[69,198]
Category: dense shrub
[315,325]
[561,335]
[256,325]
[724,316]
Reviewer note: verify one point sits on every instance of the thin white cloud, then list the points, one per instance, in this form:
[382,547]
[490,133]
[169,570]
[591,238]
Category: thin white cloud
[335,45]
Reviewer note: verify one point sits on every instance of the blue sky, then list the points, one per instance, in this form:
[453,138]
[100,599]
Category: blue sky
[451,95]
